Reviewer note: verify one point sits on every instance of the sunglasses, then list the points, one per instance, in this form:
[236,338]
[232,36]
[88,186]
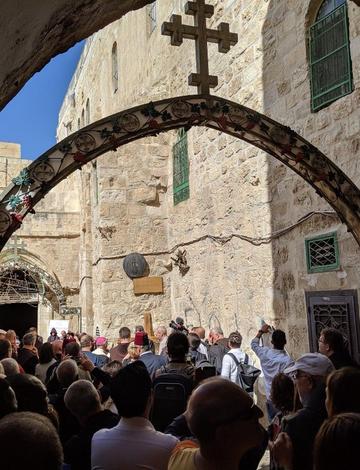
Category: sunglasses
[297,374]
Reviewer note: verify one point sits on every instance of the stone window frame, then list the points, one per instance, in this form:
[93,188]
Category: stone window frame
[340,89]
[325,238]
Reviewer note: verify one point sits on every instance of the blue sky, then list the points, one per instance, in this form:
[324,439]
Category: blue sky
[30,119]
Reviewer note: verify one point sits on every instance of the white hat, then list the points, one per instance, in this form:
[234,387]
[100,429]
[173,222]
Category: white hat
[313,364]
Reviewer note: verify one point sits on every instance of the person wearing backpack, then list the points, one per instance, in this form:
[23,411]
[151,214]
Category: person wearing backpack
[229,368]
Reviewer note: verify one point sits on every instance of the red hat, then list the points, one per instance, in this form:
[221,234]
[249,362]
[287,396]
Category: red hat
[141,339]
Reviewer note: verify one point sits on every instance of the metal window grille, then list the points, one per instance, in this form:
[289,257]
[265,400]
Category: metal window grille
[152,15]
[181,168]
[330,60]
[322,253]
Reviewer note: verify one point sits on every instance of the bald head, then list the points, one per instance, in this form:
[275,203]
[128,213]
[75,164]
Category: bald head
[200,331]
[212,420]
[57,347]
[67,373]
[39,440]
[82,399]
[11,366]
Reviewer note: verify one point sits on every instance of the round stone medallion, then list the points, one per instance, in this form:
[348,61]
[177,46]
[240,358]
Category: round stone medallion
[180,109]
[130,122]
[5,220]
[135,265]
[85,142]
[43,172]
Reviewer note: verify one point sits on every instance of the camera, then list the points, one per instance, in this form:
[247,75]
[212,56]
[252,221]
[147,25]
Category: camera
[178,325]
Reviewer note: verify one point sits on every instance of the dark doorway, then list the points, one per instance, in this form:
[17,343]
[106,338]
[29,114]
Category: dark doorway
[18,317]
[335,309]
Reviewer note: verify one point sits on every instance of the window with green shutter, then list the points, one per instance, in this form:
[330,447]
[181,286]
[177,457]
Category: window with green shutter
[181,168]
[329,51]
[322,253]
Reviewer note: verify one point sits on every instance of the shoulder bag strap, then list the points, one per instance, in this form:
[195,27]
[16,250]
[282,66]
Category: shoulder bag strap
[239,368]
[233,357]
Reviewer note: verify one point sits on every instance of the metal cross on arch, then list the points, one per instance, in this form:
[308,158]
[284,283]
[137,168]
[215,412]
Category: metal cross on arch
[202,35]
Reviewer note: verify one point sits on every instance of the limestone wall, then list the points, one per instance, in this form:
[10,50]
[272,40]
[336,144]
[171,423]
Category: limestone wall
[234,189]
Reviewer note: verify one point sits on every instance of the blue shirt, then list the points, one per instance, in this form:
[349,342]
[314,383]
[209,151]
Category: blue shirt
[272,362]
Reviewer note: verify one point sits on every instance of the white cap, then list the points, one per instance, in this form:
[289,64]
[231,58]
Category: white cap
[313,364]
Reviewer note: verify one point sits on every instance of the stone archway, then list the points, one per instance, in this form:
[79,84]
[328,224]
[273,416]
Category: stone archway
[279,141]
[29,295]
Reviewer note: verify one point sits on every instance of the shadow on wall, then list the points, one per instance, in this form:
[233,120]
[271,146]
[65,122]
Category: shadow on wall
[286,98]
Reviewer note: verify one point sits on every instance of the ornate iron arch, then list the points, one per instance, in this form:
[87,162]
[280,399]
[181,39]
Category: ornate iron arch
[39,280]
[35,181]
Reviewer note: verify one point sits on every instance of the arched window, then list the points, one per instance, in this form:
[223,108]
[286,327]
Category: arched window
[87,112]
[114,68]
[329,52]
[82,118]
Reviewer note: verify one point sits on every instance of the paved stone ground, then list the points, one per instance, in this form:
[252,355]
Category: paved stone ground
[265,462]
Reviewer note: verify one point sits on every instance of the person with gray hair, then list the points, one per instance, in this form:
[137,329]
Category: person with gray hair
[28,355]
[229,368]
[83,401]
[218,347]
[27,437]
[66,373]
[8,403]
[309,374]
[161,336]
[11,367]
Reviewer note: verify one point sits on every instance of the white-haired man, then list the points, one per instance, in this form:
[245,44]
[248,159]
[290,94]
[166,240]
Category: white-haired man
[161,335]
[83,401]
[309,373]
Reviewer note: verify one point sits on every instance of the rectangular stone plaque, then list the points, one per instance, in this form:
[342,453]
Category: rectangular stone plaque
[148,285]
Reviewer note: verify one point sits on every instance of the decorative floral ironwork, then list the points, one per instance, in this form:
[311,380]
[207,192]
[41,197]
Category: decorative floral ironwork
[23,179]
[279,141]
[14,201]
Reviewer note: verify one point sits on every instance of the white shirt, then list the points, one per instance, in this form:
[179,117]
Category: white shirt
[203,350]
[229,368]
[272,362]
[132,444]
[162,344]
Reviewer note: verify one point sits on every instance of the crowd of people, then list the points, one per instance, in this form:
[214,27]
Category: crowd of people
[178,401]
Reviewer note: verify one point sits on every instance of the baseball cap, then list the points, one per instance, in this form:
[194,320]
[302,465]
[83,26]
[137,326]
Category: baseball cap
[311,363]
[100,341]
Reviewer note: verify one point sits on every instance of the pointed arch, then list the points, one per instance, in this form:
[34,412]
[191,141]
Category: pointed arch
[277,140]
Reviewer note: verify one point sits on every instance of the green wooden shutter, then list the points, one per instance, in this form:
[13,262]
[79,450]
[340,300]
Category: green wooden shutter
[330,61]
[181,168]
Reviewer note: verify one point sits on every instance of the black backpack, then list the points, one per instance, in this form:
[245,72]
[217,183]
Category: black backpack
[247,374]
[171,392]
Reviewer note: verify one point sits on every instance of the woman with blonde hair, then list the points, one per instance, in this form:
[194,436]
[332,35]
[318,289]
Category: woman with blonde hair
[133,354]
